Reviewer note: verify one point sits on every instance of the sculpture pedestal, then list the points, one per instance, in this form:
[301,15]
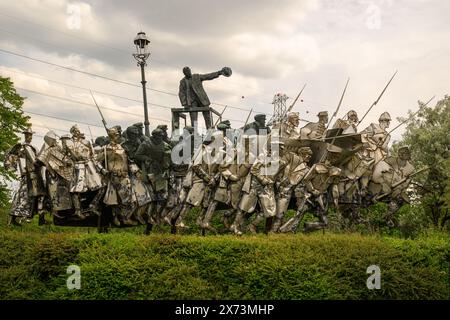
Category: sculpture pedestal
[178,113]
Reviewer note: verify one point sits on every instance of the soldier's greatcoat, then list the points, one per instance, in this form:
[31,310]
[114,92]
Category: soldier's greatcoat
[23,156]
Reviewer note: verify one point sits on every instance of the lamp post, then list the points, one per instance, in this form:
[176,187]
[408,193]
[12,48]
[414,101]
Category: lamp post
[141,42]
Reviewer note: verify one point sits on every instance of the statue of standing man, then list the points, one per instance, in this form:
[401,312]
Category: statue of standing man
[193,96]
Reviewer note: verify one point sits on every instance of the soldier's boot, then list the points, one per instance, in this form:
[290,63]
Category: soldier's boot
[42,220]
[77,205]
[207,220]
[269,224]
[292,224]
[93,206]
[180,223]
[129,221]
[237,224]
[276,224]
[139,216]
[252,226]
[172,215]
[13,221]
[116,220]
[199,220]
[150,212]
[225,219]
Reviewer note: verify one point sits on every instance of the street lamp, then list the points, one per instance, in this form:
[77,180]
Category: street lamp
[141,42]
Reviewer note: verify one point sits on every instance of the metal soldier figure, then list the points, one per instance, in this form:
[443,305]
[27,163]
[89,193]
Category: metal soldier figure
[259,188]
[121,195]
[29,198]
[377,138]
[297,166]
[348,125]
[59,174]
[204,176]
[315,130]
[154,155]
[86,177]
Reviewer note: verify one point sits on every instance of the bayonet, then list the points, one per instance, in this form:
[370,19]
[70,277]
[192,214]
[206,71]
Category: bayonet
[100,111]
[295,101]
[412,116]
[339,104]
[220,117]
[378,99]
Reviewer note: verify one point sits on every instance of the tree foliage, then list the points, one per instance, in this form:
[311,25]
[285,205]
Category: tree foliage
[427,135]
[12,122]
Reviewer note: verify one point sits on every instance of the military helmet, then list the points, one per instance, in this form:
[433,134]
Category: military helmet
[260,116]
[50,138]
[352,113]
[28,131]
[139,125]
[323,114]
[112,131]
[223,126]
[157,132]
[385,116]
[404,150]
[74,128]
[293,115]
[162,127]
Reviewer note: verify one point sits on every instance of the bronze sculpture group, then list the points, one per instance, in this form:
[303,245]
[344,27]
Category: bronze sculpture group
[247,175]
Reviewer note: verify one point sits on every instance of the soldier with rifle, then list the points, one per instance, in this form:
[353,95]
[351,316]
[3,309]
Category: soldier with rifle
[154,155]
[59,173]
[315,130]
[87,172]
[28,200]
[258,187]
[204,176]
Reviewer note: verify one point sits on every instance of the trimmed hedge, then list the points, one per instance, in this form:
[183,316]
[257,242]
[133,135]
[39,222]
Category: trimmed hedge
[162,266]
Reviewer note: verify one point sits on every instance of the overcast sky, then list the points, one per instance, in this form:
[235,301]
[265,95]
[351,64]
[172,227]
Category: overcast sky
[271,45]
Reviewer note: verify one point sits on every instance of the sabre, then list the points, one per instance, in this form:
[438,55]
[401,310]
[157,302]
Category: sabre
[100,111]
[378,99]
[339,105]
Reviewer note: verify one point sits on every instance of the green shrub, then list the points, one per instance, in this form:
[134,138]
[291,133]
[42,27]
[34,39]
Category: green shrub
[163,266]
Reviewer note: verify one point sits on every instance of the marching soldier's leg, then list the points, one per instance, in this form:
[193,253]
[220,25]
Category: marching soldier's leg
[200,217]
[93,206]
[258,219]
[40,210]
[208,217]
[180,223]
[277,222]
[115,213]
[292,224]
[226,217]
[77,205]
[238,221]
